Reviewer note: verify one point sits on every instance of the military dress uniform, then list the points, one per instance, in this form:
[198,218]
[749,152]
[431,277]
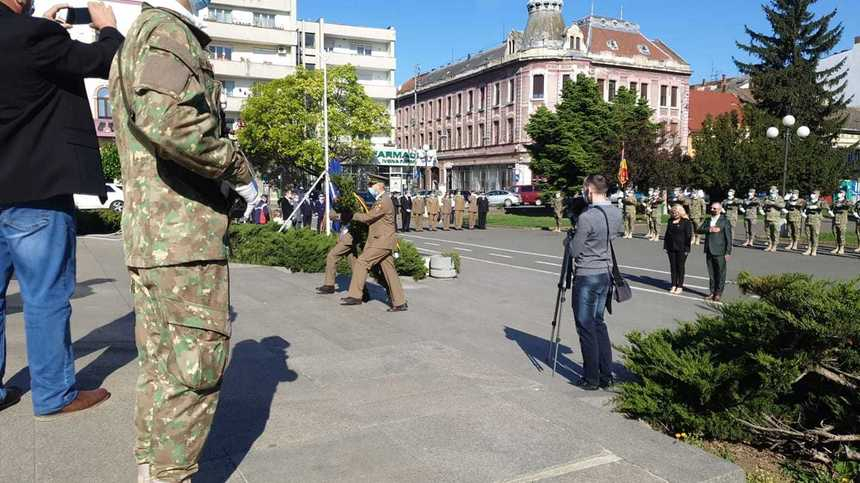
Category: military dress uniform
[379,249]
[345,247]
[166,105]
[749,207]
[841,210]
[655,215]
[459,208]
[433,211]
[697,215]
[446,212]
[772,217]
[473,211]
[813,212]
[418,213]
[794,209]
[629,202]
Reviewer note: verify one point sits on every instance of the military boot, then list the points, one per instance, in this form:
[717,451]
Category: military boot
[808,251]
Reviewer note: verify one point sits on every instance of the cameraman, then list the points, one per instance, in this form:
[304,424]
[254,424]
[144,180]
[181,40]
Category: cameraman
[48,152]
[596,227]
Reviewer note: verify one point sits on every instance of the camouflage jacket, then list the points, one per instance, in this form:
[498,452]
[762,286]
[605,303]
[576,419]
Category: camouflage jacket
[629,203]
[841,209]
[698,208]
[174,161]
[773,209]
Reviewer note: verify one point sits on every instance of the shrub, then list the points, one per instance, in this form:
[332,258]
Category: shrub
[98,222]
[410,262]
[781,371]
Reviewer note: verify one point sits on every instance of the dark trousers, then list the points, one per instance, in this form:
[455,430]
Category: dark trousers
[407,220]
[306,220]
[716,273]
[482,220]
[677,263]
[589,303]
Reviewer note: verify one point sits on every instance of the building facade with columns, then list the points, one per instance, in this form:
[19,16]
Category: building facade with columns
[473,113]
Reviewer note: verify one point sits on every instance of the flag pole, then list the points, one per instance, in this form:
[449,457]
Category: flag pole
[321,50]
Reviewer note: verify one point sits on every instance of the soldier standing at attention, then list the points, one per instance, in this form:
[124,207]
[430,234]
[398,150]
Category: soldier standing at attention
[697,213]
[749,208]
[379,249]
[793,210]
[731,206]
[629,203]
[396,201]
[772,207]
[459,208]
[839,212]
[473,210]
[558,210]
[418,212]
[176,169]
[655,215]
[812,211]
[405,212]
[446,211]
[433,210]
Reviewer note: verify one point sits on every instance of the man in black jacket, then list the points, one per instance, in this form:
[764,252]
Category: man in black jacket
[396,198]
[483,209]
[405,212]
[48,152]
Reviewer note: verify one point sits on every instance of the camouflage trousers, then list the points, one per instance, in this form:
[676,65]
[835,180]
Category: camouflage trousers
[629,224]
[654,225]
[771,229]
[840,231]
[813,230]
[794,230]
[182,333]
[749,225]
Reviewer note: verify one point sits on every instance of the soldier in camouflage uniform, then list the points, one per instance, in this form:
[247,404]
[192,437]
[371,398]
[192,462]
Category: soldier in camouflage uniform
[177,171]
[654,208]
[629,203]
[749,208]
[793,210]
[697,213]
[839,212]
[812,212]
[772,207]
[731,207]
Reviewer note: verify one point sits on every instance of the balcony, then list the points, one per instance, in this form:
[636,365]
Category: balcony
[379,91]
[235,104]
[365,61]
[104,128]
[252,70]
[280,6]
[250,34]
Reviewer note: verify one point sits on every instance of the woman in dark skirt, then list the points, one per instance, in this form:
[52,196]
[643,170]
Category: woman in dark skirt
[677,242]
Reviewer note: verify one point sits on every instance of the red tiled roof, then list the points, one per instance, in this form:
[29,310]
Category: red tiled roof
[707,103]
[628,44]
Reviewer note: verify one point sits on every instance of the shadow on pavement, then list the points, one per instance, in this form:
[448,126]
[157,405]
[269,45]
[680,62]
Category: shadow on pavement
[117,341]
[659,283]
[536,349]
[250,384]
[15,304]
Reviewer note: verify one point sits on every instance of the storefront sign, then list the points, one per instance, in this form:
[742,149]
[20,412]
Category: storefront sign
[396,157]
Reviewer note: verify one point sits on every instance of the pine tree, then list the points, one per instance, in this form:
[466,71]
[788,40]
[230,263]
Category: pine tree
[786,79]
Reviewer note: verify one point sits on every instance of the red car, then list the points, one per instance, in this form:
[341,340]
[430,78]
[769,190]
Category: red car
[529,194]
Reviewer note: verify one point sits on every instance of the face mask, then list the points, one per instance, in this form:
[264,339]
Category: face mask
[198,5]
[731,194]
[840,197]
[814,198]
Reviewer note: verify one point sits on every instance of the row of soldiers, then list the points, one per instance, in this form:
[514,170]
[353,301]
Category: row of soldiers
[795,212]
[449,208]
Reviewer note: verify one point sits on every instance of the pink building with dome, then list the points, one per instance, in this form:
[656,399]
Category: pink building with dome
[472,114]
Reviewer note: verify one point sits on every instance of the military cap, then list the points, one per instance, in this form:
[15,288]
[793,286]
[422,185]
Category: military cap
[375,178]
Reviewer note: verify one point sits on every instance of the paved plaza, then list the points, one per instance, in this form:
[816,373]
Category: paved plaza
[456,389]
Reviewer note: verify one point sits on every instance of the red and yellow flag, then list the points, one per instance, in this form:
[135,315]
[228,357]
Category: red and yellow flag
[623,171]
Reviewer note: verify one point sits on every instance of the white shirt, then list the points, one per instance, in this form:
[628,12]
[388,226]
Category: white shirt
[714,220]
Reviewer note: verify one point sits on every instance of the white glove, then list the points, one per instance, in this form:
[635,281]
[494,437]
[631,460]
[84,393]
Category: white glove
[784,211]
[251,194]
[803,215]
[831,212]
[742,209]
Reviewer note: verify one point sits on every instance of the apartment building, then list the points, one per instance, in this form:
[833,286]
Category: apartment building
[370,50]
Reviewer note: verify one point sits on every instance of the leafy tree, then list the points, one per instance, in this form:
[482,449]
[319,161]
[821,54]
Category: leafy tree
[784,74]
[283,120]
[111,167]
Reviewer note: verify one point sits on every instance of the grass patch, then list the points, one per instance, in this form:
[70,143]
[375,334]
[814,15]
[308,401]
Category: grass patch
[524,221]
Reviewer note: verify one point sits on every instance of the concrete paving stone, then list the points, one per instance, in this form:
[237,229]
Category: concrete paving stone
[619,472]
[17,438]
[219,470]
[490,443]
[367,456]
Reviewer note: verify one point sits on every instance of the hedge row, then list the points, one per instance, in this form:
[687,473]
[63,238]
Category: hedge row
[98,222]
[303,250]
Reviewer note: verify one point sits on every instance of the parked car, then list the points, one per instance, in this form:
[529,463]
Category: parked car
[504,198]
[115,199]
[529,194]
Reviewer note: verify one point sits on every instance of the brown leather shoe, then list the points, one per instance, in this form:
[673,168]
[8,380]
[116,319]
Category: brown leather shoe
[84,401]
[350,301]
[325,290]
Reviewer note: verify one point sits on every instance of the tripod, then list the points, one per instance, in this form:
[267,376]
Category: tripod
[564,283]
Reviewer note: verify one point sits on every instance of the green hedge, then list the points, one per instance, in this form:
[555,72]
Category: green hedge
[98,222]
[770,371]
[303,250]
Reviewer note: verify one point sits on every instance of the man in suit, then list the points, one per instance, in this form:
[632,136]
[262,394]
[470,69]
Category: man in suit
[395,199]
[473,210]
[718,249]
[483,209]
[307,211]
[459,208]
[405,212]
[379,249]
[48,152]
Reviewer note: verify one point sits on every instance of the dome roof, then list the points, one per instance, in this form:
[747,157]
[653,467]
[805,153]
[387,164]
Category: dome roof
[545,28]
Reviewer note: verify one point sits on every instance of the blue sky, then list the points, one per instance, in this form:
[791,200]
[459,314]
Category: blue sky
[432,32]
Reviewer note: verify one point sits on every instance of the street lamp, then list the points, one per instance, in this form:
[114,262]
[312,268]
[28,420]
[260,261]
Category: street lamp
[773,132]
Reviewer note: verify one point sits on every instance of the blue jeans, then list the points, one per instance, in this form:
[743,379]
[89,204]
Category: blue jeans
[589,303]
[37,244]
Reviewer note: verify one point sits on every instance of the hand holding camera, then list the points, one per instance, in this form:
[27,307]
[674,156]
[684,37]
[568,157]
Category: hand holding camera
[97,15]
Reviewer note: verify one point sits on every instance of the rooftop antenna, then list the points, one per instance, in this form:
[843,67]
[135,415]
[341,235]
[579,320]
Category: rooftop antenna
[622,11]
[590,20]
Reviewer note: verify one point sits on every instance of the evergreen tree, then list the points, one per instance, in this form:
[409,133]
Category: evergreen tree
[784,72]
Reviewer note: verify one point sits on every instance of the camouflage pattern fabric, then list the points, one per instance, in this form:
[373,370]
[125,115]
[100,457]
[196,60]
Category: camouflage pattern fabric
[182,335]
[174,162]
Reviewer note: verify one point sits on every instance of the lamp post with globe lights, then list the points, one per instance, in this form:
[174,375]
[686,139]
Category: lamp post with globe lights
[773,132]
